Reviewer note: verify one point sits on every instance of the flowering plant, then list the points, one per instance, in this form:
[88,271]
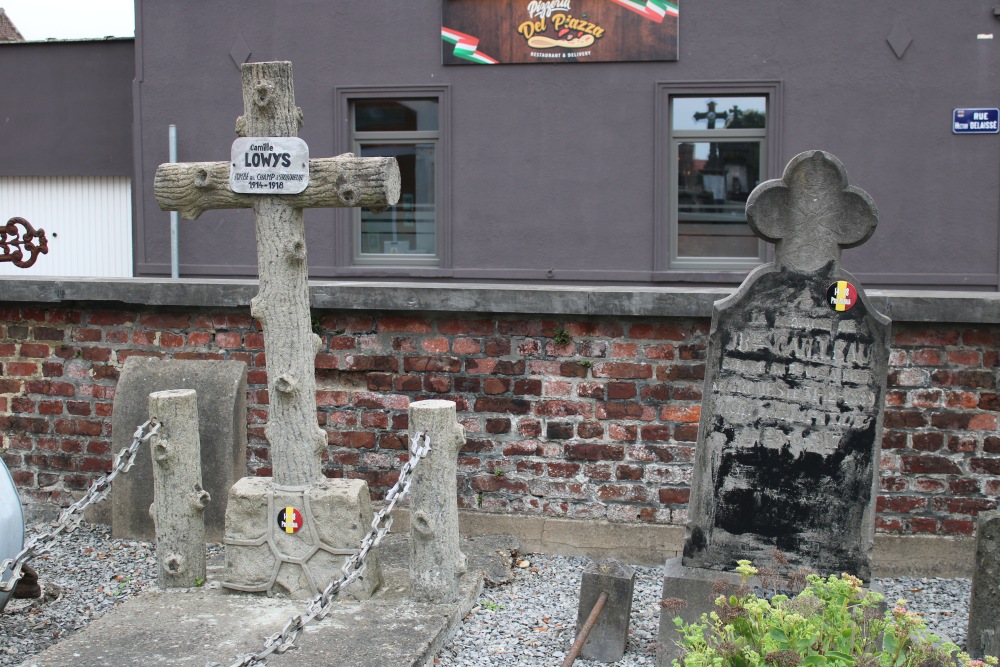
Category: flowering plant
[833,622]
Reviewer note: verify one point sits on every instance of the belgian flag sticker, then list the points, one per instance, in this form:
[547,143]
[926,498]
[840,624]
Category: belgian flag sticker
[290,520]
[841,296]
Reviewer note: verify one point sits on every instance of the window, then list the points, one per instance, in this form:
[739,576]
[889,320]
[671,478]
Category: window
[717,149]
[406,124]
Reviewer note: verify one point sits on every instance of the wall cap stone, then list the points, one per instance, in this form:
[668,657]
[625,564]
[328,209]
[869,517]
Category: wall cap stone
[553,300]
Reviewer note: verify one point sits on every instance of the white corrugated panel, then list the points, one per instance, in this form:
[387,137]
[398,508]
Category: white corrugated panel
[87,220]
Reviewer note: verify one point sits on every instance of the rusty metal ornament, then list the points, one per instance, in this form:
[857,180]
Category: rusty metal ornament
[14,244]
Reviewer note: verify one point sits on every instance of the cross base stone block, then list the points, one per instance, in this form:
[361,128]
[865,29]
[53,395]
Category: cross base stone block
[294,540]
[608,639]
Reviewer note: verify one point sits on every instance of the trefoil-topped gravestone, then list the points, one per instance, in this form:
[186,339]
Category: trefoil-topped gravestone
[786,467]
[289,533]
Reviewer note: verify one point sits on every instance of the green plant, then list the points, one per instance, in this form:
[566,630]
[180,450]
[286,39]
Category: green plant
[587,363]
[479,500]
[562,337]
[499,473]
[492,606]
[198,582]
[833,622]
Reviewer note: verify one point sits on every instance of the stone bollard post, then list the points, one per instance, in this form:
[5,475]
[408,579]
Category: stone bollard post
[179,500]
[984,620]
[436,562]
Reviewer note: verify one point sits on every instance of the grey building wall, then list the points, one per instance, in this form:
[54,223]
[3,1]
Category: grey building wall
[66,108]
[552,166]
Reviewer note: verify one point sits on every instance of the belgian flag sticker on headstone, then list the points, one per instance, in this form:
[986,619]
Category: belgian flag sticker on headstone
[841,296]
[290,520]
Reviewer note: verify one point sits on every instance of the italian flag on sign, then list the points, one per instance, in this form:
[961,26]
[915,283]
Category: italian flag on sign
[466,47]
[655,10]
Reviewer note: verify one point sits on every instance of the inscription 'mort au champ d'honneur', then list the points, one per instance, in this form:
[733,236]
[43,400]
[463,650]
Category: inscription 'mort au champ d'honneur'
[277,165]
[787,386]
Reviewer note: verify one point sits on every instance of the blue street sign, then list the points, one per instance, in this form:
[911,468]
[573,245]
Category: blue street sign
[975,121]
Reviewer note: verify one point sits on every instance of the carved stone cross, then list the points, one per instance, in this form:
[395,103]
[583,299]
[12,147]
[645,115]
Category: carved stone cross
[282,305]
[811,214]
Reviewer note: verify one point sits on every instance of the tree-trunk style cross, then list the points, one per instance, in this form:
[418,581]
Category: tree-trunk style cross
[282,305]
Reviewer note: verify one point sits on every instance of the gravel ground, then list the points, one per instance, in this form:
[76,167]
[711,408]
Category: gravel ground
[529,622]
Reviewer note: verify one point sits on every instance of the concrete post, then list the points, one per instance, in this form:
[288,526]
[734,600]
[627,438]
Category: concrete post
[984,618]
[436,562]
[179,500]
[609,637]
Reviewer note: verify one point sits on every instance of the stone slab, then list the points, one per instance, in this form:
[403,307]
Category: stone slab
[222,395]
[984,604]
[466,297]
[190,627]
[791,421]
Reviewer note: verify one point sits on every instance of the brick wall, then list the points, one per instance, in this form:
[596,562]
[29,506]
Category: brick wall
[576,417]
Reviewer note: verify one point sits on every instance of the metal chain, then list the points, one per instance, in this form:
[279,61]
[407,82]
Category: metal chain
[320,606]
[70,517]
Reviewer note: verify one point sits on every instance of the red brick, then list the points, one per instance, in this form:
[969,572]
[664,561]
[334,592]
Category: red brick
[495,483]
[109,318]
[991,444]
[331,398]
[904,419]
[625,410]
[497,426]
[34,350]
[957,527]
[520,448]
[563,409]
[423,364]
[990,466]
[623,432]
[964,357]
[359,362]
[352,439]
[407,383]
[901,504]
[929,464]
[79,408]
[680,413]
[926,398]
[98,354]
[562,469]
[495,386]
[467,384]
[628,473]
[530,428]
[925,337]
[466,327]
[166,320]
[438,384]
[965,505]
[964,400]
[928,442]
[987,401]
[964,486]
[629,493]
[52,369]
[659,331]
[981,337]
[681,372]
[395,324]
[559,430]
[926,357]
[594,452]
[656,433]
[590,430]
[22,368]
[675,495]
[622,370]
[380,381]
[922,525]
[894,439]
[573,369]
[529,387]
[375,420]
[467,346]
[514,406]
[970,379]
[496,347]
[50,388]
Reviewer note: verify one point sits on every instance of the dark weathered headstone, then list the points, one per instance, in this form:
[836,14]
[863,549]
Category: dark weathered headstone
[608,639]
[789,439]
[222,430]
[786,468]
[984,605]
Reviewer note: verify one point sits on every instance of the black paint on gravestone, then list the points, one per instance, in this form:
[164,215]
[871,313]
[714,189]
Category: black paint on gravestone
[789,439]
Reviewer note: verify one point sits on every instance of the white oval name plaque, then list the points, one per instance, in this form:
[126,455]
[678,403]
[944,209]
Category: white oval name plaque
[269,165]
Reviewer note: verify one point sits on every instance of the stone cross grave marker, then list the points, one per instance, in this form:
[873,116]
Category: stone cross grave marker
[264,554]
[791,423]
